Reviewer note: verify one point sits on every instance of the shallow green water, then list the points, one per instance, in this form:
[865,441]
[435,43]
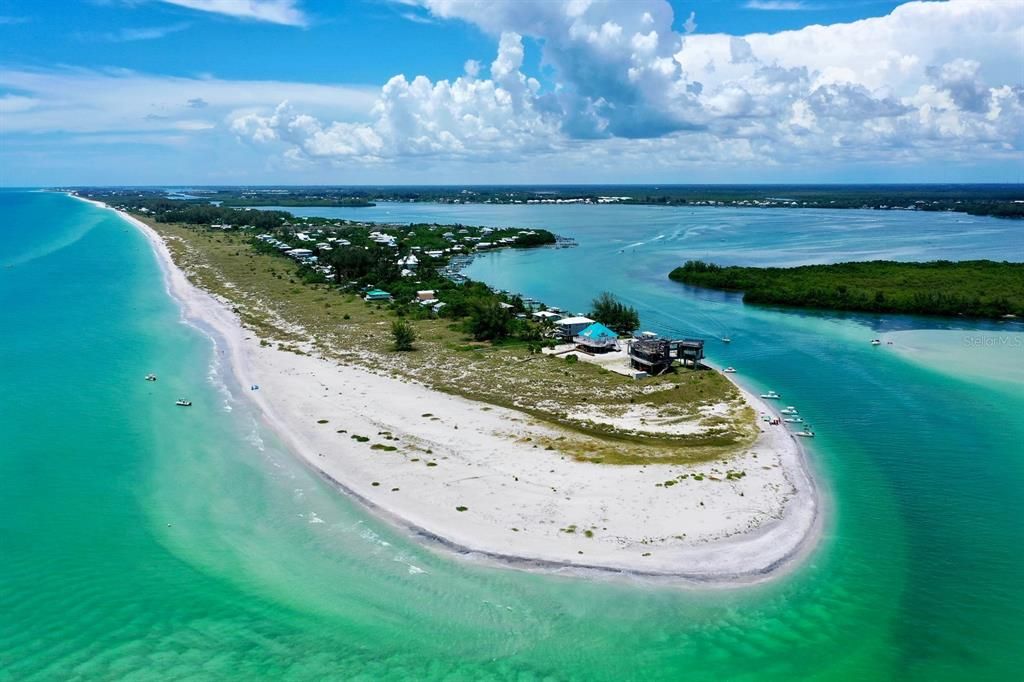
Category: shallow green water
[144,541]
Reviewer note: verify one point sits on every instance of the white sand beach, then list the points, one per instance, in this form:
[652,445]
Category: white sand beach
[470,477]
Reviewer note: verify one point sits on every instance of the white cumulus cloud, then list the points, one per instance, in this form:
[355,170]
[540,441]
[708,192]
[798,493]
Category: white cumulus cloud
[469,116]
[927,81]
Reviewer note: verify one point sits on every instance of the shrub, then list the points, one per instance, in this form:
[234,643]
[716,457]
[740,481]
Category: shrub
[403,334]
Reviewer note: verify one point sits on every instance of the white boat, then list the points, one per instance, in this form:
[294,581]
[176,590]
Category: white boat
[771,395]
[876,342]
[806,433]
[150,377]
[729,370]
[181,402]
[793,420]
[789,409]
[726,339]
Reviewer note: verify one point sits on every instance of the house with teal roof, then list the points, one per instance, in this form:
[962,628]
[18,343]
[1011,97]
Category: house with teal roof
[377,295]
[597,338]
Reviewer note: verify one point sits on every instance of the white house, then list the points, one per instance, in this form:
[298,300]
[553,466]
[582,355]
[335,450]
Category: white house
[572,326]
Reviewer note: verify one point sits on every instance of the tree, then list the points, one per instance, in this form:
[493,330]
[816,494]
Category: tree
[350,263]
[403,334]
[614,314]
[488,321]
[354,263]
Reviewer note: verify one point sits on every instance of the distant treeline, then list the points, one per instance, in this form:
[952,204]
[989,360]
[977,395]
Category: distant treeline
[166,210]
[296,197]
[978,288]
[999,200]
[208,214]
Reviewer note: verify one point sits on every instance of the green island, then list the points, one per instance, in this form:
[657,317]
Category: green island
[977,288]
[390,298]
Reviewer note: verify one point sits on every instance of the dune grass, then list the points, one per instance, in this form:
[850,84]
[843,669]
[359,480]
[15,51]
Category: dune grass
[316,318]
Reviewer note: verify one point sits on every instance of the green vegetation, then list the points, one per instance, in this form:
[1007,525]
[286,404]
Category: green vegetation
[979,288]
[998,200]
[290,311]
[614,314]
[404,335]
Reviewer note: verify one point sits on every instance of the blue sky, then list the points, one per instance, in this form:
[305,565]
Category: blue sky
[389,91]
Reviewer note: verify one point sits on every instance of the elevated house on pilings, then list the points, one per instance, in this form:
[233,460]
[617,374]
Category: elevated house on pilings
[656,356]
[596,339]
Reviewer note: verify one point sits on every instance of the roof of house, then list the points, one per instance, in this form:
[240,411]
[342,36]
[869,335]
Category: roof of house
[575,320]
[545,313]
[597,332]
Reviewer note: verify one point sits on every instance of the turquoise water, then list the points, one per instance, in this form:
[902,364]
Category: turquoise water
[144,541]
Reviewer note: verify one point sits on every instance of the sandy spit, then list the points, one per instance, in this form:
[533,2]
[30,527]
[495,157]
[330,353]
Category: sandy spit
[467,477]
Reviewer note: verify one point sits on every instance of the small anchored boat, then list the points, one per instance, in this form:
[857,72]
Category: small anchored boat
[806,433]
[793,420]
[876,342]
[788,409]
[181,402]
[726,339]
[729,370]
[150,377]
[771,395]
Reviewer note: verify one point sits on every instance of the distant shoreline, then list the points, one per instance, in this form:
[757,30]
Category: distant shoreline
[999,200]
[476,466]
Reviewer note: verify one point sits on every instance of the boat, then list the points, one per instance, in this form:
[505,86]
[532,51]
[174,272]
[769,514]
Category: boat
[729,370]
[793,420]
[726,339]
[181,402]
[789,409]
[771,395]
[806,433]
[150,377]
[876,342]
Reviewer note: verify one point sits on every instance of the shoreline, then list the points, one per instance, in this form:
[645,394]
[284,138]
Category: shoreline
[483,466]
